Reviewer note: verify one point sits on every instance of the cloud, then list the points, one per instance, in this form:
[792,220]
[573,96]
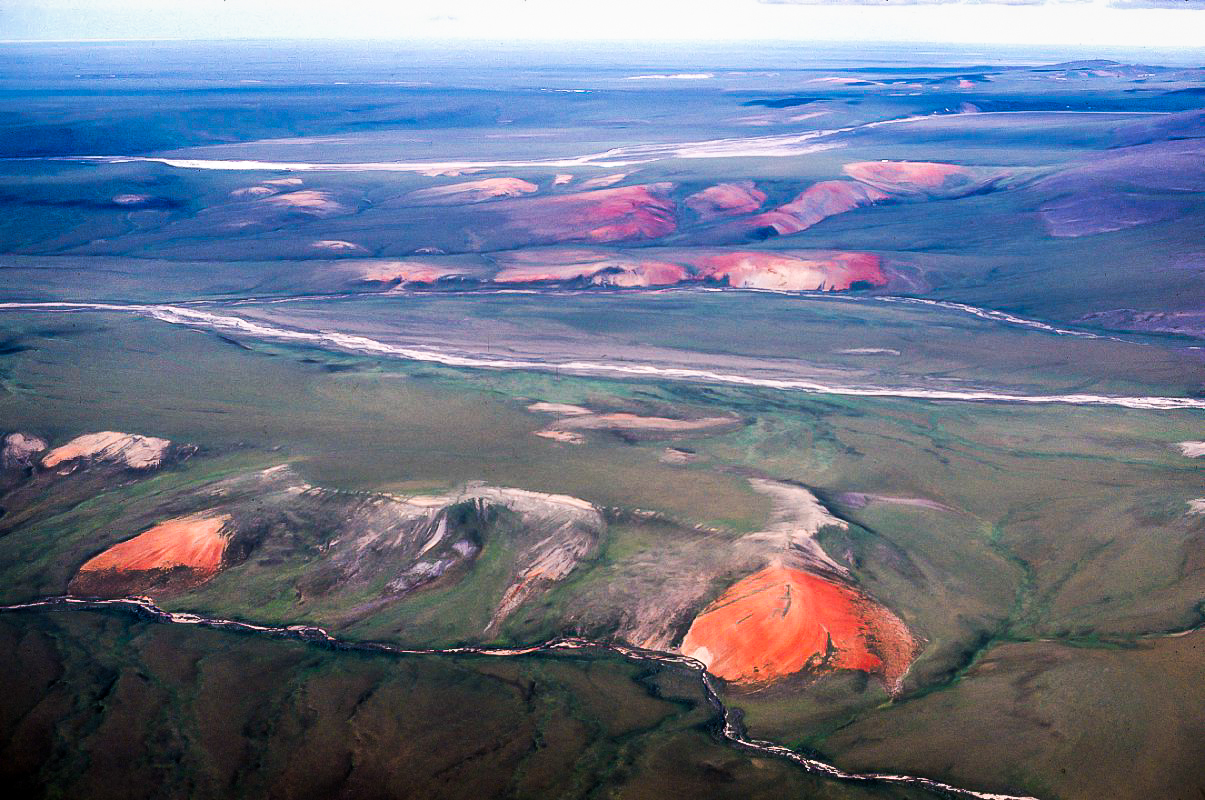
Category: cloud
[919,2]
[1096,23]
[1185,4]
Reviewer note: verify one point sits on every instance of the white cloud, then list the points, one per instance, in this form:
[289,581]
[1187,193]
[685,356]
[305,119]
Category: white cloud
[1184,5]
[913,2]
[1067,22]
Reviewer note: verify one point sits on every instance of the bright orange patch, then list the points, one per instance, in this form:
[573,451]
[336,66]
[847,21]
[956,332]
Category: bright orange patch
[818,202]
[725,199]
[765,269]
[195,542]
[601,272]
[406,272]
[780,620]
[603,215]
[890,176]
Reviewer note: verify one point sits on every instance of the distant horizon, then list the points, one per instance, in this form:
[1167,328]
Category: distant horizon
[718,63]
[526,43]
[1062,23]
[718,45]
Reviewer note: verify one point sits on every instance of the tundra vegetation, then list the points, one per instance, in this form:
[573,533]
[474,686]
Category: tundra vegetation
[875,393]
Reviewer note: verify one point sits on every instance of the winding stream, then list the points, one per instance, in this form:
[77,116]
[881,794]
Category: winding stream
[732,731]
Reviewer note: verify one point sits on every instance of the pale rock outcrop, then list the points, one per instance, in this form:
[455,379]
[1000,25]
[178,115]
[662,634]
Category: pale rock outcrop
[474,191]
[19,450]
[1192,449]
[128,449]
[796,517]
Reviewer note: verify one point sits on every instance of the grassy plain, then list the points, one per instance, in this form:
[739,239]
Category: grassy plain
[106,706]
[1082,551]
[1041,553]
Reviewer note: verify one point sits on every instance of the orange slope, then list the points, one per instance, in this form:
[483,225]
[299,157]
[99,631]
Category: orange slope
[780,620]
[195,542]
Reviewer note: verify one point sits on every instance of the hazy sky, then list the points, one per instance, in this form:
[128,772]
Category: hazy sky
[1144,23]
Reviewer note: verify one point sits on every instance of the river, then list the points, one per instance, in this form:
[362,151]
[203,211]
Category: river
[731,729]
